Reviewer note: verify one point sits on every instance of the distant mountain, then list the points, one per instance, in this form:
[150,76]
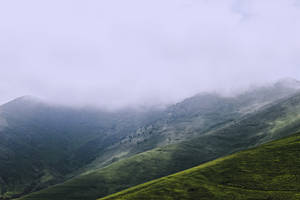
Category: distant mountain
[270,171]
[267,122]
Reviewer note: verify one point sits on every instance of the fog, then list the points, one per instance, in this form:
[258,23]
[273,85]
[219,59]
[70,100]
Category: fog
[116,53]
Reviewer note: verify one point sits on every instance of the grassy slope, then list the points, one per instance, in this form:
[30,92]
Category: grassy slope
[271,171]
[271,123]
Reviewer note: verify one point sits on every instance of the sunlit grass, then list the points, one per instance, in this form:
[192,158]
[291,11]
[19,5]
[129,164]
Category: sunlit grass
[271,171]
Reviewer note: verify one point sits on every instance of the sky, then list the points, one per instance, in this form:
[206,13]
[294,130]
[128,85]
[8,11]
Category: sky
[116,53]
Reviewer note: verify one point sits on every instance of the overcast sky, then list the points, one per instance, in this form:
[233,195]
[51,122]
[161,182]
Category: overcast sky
[124,52]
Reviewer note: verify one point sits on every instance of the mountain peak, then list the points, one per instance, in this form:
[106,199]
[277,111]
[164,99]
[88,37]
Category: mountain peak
[289,83]
[27,98]
[22,101]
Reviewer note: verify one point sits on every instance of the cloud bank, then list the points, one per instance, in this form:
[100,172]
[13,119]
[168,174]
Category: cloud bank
[116,53]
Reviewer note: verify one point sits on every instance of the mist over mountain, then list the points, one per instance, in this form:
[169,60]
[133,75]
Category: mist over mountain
[115,54]
[284,85]
[196,130]
[101,96]
[44,143]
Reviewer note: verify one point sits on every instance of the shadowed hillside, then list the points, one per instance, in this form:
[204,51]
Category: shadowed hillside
[41,144]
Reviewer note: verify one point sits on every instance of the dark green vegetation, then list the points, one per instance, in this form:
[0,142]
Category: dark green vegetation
[42,144]
[250,129]
[270,171]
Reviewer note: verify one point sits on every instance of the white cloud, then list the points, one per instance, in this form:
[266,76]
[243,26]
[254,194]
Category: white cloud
[116,53]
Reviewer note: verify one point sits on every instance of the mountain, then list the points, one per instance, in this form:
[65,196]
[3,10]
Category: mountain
[272,121]
[270,171]
[193,117]
[43,144]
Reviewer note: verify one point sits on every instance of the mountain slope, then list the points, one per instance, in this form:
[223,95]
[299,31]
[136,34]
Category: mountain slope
[194,117]
[271,122]
[270,171]
[40,144]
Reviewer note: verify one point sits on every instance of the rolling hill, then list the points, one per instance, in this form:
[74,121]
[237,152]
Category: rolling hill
[270,171]
[268,123]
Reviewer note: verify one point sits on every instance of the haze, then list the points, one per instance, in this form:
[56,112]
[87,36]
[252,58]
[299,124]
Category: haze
[116,53]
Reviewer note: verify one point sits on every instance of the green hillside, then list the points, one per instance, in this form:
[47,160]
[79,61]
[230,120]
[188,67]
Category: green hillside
[41,144]
[192,118]
[272,122]
[270,171]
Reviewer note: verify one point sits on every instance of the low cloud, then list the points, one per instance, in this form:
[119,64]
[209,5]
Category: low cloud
[118,53]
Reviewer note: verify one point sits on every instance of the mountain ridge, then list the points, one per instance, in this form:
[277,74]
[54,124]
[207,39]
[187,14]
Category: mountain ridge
[252,130]
[54,143]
